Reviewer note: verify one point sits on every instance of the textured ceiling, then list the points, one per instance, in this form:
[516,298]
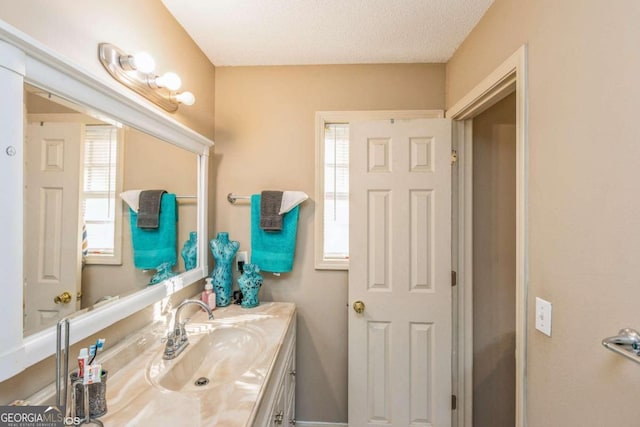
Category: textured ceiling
[286,32]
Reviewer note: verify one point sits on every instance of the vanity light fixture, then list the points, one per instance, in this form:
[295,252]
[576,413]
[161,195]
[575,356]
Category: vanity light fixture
[169,80]
[140,61]
[137,73]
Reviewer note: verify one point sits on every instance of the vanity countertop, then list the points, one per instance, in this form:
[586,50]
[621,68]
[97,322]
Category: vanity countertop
[134,400]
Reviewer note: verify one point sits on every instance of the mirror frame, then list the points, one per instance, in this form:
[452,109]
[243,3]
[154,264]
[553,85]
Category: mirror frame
[25,60]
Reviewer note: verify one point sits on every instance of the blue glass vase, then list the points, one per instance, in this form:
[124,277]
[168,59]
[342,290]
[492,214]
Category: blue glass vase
[249,284]
[223,250]
[190,251]
[163,272]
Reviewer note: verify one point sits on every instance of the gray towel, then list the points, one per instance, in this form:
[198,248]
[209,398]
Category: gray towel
[149,208]
[270,219]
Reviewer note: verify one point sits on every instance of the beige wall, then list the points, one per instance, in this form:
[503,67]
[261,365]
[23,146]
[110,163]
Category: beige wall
[583,226]
[494,272]
[265,140]
[73,29]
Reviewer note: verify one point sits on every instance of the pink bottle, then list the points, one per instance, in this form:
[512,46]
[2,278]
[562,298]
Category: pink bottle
[208,296]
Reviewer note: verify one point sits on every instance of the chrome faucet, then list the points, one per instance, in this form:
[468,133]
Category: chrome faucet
[177,339]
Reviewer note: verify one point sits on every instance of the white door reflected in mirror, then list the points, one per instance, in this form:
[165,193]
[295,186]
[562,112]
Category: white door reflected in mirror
[52,260]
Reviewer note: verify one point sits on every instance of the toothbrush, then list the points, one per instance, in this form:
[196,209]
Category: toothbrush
[92,352]
[94,349]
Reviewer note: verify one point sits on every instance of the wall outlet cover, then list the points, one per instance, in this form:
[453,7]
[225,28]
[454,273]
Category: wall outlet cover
[241,257]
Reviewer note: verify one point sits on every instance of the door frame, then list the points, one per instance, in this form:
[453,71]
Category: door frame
[510,76]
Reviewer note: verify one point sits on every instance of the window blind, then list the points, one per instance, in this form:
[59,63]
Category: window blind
[99,187]
[336,191]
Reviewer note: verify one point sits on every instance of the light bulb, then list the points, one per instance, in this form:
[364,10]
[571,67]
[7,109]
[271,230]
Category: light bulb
[141,61]
[185,98]
[169,80]
[144,62]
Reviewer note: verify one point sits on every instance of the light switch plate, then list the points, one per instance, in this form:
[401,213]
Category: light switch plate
[543,316]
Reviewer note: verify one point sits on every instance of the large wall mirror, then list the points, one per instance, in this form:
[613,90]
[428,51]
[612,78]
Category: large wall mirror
[69,144]
[78,248]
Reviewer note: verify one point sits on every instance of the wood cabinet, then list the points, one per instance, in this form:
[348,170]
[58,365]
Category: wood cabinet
[277,405]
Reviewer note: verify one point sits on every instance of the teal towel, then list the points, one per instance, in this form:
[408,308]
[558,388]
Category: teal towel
[273,251]
[153,246]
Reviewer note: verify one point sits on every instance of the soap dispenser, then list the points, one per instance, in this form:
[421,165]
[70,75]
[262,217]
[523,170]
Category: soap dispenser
[208,296]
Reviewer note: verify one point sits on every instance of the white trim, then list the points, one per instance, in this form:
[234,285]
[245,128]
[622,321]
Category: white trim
[202,219]
[47,70]
[509,76]
[462,241]
[11,195]
[322,263]
[62,118]
[373,115]
[322,118]
[318,424]
[495,87]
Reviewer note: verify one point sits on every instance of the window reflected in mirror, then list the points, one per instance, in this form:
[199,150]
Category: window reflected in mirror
[78,248]
[102,183]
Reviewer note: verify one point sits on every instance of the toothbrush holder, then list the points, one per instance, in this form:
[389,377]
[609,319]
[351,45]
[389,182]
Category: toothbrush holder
[97,396]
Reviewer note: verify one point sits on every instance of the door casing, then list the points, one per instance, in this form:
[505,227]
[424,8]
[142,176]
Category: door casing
[510,76]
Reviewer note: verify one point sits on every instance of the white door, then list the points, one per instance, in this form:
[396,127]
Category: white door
[400,269]
[52,230]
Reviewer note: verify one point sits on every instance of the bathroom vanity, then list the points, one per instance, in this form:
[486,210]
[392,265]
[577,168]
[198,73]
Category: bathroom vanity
[238,370]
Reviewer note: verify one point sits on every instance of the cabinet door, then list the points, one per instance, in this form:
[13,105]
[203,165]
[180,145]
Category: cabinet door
[277,417]
[290,388]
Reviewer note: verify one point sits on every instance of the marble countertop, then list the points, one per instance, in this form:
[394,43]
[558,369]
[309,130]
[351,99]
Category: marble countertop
[135,399]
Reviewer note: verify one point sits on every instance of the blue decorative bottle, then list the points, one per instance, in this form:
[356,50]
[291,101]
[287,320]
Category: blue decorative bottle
[249,284]
[223,250]
[190,251]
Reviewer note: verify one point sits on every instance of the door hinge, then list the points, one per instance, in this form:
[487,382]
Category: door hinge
[454,278]
[454,157]
[454,402]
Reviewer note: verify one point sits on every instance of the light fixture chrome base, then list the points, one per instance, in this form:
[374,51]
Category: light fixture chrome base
[110,58]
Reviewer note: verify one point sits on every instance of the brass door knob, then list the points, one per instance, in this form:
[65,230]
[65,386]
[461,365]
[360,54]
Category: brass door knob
[63,298]
[358,306]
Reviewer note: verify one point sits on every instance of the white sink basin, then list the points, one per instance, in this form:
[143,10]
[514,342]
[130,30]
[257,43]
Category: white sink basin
[216,355]
[236,352]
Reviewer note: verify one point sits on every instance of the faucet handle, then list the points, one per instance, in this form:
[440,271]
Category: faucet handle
[168,337]
[181,332]
[171,344]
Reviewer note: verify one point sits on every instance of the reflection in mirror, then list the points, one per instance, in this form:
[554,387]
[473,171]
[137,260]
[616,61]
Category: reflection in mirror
[77,231]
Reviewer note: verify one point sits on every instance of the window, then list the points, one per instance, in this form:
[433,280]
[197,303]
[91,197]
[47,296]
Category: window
[332,234]
[336,191]
[102,182]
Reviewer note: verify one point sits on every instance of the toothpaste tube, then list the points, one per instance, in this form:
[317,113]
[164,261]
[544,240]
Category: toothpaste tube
[82,361]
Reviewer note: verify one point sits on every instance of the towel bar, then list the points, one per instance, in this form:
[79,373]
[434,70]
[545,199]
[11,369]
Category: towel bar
[626,343]
[232,198]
